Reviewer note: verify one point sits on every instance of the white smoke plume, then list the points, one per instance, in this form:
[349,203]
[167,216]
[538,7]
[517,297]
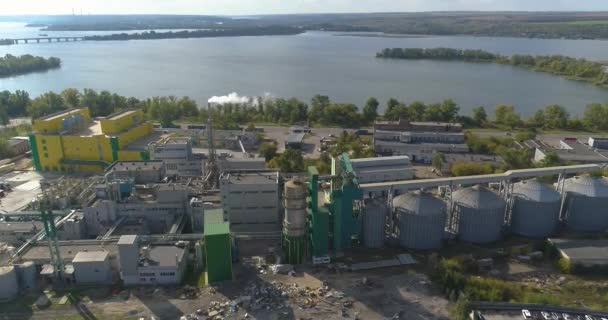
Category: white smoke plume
[231,98]
[235,98]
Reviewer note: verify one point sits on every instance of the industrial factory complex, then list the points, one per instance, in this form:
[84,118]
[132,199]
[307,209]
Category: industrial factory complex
[119,202]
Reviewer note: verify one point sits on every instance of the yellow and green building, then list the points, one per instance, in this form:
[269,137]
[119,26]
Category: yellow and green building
[72,141]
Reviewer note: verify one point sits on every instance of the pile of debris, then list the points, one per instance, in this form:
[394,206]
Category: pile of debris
[275,296]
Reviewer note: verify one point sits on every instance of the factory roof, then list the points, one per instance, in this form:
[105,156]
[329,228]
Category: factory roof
[576,151]
[217,229]
[20,226]
[214,216]
[248,177]
[59,114]
[295,138]
[120,114]
[67,250]
[362,162]
[142,143]
[91,256]
[128,239]
[460,146]
[136,165]
[579,250]
[166,256]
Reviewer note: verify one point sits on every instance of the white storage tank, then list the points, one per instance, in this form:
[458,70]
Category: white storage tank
[420,220]
[535,210]
[374,224]
[586,203]
[478,214]
[8,283]
[295,193]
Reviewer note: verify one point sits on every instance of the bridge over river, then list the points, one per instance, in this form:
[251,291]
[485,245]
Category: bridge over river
[39,40]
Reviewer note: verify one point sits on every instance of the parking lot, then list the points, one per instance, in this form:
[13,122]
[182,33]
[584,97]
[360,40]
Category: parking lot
[312,141]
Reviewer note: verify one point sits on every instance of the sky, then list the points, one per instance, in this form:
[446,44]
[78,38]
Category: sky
[253,7]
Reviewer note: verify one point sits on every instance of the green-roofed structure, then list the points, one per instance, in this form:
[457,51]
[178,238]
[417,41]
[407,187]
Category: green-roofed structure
[218,251]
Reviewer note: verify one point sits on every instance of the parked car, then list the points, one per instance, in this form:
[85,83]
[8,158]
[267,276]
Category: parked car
[545,315]
[527,314]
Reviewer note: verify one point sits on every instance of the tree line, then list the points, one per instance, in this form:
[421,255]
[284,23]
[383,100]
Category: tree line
[319,111]
[578,69]
[226,32]
[15,65]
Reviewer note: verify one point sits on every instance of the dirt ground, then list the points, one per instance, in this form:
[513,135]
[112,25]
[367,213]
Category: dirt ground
[390,293]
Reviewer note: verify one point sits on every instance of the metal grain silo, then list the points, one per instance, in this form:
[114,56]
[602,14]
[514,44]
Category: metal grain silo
[535,210]
[478,214]
[374,224]
[420,220]
[8,283]
[586,204]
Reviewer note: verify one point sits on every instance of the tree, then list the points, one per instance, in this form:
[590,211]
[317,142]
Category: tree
[318,104]
[417,110]
[502,113]
[89,99]
[438,160]
[71,97]
[187,107]
[480,115]
[460,169]
[396,110]
[268,151]
[370,111]
[104,105]
[595,116]
[4,119]
[445,111]
[47,103]
[551,160]
[290,161]
[344,115]
[505,115]
[18,102]
[556,117]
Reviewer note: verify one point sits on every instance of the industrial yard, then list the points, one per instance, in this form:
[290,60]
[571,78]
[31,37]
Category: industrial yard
[123,220]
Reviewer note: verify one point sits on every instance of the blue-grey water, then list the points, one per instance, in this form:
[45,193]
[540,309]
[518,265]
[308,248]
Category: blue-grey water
[342,67]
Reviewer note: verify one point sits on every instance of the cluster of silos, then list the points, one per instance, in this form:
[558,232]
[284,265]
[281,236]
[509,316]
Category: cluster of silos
[535,211]
[8,283]
[420,220]
[586,204]
[374,223]
[294,224]
[478,214]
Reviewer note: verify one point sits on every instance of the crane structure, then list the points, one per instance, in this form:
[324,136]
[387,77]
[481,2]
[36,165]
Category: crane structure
[46,214]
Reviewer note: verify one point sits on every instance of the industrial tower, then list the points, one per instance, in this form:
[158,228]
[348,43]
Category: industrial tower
[212,176]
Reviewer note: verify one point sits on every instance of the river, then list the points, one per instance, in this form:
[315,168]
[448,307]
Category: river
[342,67]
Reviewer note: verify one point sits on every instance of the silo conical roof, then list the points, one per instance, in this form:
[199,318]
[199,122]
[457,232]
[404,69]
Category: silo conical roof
[533,190]
[587,186]
[478,197]
[418,202]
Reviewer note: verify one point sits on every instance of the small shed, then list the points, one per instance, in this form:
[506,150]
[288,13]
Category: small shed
[92,267]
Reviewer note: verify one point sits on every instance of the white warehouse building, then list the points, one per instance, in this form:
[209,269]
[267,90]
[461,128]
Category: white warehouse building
[150,265]
[251,199]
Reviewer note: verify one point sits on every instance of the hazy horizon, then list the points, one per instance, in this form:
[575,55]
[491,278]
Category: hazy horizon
[264,7]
